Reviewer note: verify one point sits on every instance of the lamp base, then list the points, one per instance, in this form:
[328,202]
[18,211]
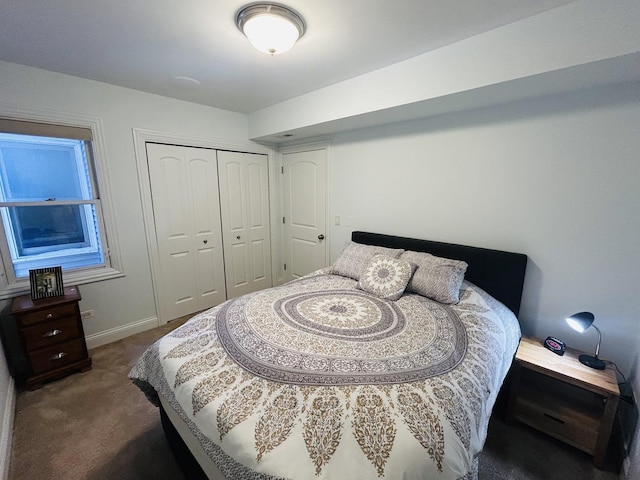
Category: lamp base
[591,361]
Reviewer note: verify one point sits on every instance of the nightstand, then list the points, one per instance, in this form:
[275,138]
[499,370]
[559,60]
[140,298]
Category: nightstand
[564,398]
[51,335]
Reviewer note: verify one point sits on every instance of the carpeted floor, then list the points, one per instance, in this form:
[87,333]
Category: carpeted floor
[98,426]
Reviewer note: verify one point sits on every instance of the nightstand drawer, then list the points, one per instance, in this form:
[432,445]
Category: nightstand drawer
[51,333]
[57,356]
[558,424]
[47,315]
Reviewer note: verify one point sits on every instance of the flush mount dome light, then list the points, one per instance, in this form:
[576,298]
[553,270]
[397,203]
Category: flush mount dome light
[270,27]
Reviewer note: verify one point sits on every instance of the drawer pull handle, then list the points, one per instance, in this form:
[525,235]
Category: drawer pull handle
[52,333]
[57,356]
[49,315]
[554,418]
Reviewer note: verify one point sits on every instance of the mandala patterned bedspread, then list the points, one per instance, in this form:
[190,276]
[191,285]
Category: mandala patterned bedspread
[317,379]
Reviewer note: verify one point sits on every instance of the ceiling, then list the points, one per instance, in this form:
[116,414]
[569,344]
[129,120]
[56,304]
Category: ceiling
[162,46]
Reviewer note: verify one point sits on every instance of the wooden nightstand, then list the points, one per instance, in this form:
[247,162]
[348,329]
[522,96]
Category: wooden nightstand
[564,398]
[52,336]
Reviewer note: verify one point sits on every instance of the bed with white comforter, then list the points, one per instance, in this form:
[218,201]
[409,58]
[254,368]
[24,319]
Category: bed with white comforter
[323,378]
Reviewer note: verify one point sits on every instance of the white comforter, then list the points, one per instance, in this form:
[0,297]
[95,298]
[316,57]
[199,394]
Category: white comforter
[317,379]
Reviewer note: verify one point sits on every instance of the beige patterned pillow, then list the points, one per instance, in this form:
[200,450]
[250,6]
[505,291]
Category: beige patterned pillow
[436,277]
[386,277]
[355,256]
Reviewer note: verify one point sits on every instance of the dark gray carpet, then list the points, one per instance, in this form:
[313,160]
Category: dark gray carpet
[98,426]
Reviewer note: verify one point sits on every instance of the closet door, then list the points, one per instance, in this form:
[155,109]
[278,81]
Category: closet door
[244,208]
[186,211]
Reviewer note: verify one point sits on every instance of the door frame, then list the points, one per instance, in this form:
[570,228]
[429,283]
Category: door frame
[140,138]
[305,147]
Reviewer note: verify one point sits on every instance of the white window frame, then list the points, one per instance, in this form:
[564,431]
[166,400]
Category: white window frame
[11,286]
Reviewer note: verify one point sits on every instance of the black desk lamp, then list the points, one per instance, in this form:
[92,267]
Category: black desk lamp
[580,322]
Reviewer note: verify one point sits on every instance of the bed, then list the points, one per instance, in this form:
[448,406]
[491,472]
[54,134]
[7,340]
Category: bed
[385,365]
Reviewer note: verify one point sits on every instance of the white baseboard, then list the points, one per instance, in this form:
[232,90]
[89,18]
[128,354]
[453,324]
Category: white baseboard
[118,333]
[6,430]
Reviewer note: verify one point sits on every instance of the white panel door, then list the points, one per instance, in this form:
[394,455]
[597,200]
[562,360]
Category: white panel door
[244,207]
[186,209]
[304,191]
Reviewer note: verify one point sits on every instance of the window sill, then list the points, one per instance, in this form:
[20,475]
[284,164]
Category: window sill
[79,277]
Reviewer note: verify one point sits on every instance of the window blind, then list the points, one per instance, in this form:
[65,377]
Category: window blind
[22,127]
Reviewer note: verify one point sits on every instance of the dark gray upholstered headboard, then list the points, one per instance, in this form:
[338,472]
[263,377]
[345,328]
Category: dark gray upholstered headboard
[501,274]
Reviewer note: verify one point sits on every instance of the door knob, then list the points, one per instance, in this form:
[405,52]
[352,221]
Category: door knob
[321,237]
[238,237]
[205,241]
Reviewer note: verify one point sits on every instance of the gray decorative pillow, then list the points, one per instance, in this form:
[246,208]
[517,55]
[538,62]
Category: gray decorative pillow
[355,256]
[386,277]
[436,277]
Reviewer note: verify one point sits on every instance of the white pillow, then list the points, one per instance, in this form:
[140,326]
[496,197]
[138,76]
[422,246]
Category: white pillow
[355,256]
[436,277]
[386,277]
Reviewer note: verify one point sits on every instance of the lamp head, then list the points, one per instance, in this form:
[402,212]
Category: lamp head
[580,321]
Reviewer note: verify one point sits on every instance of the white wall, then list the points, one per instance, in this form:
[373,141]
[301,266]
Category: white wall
[555,178]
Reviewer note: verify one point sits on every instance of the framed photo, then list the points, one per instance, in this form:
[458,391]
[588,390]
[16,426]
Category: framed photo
[46,282]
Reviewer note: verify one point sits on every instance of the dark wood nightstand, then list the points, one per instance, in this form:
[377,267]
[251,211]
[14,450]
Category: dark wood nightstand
[564,398]
[52,336]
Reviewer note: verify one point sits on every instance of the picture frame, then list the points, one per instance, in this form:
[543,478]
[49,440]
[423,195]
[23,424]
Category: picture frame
[46,282]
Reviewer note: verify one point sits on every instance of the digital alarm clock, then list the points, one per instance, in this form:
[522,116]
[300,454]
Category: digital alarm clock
[555,345]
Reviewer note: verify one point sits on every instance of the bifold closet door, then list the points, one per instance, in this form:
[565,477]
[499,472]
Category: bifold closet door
[186,209]
[244,208]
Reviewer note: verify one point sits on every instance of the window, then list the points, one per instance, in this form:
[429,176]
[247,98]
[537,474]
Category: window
[50,206]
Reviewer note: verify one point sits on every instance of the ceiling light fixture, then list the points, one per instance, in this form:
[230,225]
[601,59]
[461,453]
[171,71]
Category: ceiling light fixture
[270,27]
